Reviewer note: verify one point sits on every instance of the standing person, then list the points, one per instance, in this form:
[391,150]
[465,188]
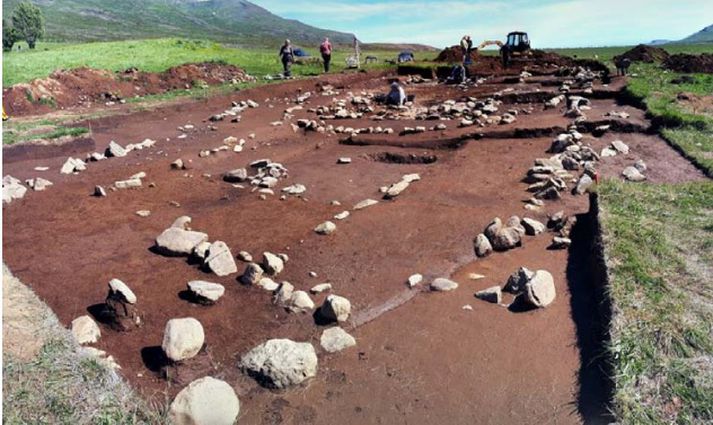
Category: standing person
[357,51]
[466,43]
[287,57]
[326,50]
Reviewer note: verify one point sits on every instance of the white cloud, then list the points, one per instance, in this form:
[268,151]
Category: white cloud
[553,23]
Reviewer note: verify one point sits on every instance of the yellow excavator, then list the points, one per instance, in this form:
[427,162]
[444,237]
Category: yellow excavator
[516,45]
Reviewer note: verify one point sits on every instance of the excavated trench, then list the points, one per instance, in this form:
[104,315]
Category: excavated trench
[398,158]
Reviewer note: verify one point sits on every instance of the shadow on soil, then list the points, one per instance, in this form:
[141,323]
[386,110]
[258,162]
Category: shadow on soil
[591,313]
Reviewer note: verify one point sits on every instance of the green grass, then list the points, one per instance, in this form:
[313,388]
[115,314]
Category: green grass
[14,132]
[659,245]
[607,53]
[156,56]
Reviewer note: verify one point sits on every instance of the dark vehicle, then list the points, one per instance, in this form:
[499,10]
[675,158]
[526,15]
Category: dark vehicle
[405,56]
[517,44]
[300,53]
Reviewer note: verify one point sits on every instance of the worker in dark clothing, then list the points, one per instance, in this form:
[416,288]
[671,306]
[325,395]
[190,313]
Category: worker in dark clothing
[326,50]
[622,66]
[287,56]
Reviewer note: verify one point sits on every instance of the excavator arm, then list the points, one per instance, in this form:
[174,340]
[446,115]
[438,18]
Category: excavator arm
[487,43]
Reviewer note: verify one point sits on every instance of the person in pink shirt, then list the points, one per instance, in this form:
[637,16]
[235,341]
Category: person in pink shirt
[326,50]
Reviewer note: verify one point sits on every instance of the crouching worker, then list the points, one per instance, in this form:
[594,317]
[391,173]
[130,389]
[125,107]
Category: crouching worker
[397,95]
[458,75]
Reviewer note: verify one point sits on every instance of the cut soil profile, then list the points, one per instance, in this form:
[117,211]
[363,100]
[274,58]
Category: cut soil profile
[420,356]
[84,86]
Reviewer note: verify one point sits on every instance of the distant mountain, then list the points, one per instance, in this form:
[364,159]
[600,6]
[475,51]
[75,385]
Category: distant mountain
[703,36]
[236,22]
[658,42]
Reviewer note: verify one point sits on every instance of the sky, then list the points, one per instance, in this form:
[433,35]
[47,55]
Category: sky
[550,23]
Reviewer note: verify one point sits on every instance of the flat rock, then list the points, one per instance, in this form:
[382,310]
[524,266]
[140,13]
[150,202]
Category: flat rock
[442,285]
[365,204]
[268,284]
[220,260]
[118,287]
[176,241]
[336,339]
[182,338]
[206,291]
[284,293]
[238,175]
[342,215]
[280,363]
[114,149]
[300,302]
[344,160]
[414,280]
[620,146]
[182,222]
[85,330]
[205,401]
[272,264]
[316,289]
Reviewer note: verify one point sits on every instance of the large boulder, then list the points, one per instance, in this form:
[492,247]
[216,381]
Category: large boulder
[178,242]
[540,290]
[336,339]
[336,308]
[12,189]
[182,338]
[85,330]
[220,260]
[238,175]
[532,226]
[252,274]
[205,401]
[300,302]
[272,264]
[506,238]
[280,363]
[325,228]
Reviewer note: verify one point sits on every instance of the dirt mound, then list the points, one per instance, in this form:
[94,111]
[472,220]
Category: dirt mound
[643,53]
[82,86]
[690,63]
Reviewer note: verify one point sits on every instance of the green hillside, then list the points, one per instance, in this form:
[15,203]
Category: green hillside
[237,22]
[703,36]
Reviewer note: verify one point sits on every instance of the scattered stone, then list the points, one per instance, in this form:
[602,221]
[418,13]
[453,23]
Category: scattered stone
[179,242]
[127,184]
[245,256]
[206,292]
[182,338]
[342,215]
[532,227]
[120,289]
[12,189]
[38,184]
[268,284]
[205,401]
[640,165]
[336,308]
[395,189]
[114,149]
[442,285]
[284,293]
[120,309]
[295,189]
[540,290]
[280,363]
[633,174]
[72,165]
[201,251]
[492,294]
[559,242]
[344,160]
[583,184]
[326,228]
[85,330]
[475,276]
[608,152]
[182,222]
[415,279]
[252,274]
[143,213]
[336,339]
[316,289]
[364,204]
[220,260]
[99,192]
[467,307]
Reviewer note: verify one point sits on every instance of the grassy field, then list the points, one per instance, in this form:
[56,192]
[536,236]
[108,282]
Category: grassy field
[156,55]
[607,53]
[659,245]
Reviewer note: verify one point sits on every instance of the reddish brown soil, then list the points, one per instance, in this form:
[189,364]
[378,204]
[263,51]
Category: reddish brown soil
[420,358]
[643,53]
[683,62]
[66,89]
